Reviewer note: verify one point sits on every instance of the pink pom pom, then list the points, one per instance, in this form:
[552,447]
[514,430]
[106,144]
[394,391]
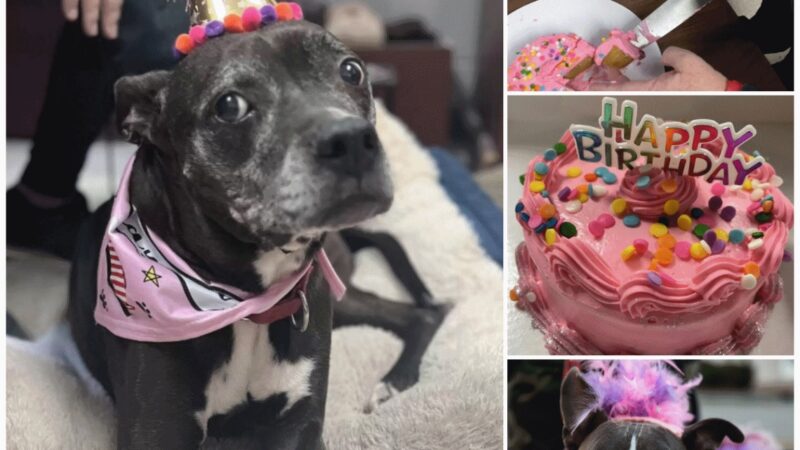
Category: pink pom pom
[198,34]
[297,10]
[251,19]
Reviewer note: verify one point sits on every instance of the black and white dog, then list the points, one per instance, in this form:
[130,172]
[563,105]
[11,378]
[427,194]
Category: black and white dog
[253,152]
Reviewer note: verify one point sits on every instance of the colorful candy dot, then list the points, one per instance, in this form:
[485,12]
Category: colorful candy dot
[631,221]
[736,236]
[717,247]
[752,268]
[696,213]
[658,230]
[684,222]
[717,189]
[643,182]
[714,203]
[755,244]
[597,229]
[550,154]
[540,168]
[641,246]
[573,206]
[550,236]
[609,178]
[764,217]
[666,241]
[628,252]
[669,185]
[547,211]
[568,230]
[728,213]
[606,220]
[682,250]
[749,282]
[513,295]
[697,251]
[710,237]
[598,191]
[560,148]
[722,235]
[563,194]
[590,177]
[671,207]
[758,235]
[618,206]
[536,186]
[700,230]
[654,279]
[663,256]
[757,194]
[574,172]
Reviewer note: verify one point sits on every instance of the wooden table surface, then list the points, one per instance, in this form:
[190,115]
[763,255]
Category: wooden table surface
[708,35]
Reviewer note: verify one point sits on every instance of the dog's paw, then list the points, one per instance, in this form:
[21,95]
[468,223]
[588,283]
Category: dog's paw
[382,392]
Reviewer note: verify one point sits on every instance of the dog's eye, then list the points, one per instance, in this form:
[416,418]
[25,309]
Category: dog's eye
[352,72]
[232,108]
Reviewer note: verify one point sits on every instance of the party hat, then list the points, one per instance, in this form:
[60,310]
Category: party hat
[213,18]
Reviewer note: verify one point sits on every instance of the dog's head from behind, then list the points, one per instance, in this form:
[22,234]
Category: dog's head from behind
[587,427]
[271,132]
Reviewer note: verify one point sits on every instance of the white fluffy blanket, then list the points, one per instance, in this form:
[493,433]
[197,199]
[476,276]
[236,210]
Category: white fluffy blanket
[456,404]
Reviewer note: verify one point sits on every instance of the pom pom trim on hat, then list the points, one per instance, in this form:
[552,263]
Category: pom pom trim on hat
[251,19]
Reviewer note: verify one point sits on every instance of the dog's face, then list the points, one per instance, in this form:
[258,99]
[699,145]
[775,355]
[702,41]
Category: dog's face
[272,131]
[594,431]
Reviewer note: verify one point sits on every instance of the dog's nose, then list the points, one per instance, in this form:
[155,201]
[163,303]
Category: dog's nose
[349,145]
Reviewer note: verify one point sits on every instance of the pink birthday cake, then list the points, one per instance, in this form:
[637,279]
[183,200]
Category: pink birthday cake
[651,237]
[566,62]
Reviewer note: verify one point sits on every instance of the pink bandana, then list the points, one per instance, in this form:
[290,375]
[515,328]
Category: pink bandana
[148,293]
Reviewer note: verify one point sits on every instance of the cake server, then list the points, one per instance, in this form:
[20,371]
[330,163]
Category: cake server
[668,16]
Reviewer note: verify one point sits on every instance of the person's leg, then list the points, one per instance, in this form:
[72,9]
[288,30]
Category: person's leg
[45,209]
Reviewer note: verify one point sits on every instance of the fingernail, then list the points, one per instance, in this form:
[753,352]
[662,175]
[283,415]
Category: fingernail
[72,14]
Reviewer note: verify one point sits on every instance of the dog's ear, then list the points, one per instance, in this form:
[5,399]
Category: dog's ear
[579,412]
[708,434]
[139,102]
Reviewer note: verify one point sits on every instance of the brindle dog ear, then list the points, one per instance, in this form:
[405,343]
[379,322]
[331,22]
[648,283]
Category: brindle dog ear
[139,102]
[578,413]
[708,434]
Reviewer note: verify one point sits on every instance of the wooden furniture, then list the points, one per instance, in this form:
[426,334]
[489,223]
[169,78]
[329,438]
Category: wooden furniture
[708,35]
[421,97]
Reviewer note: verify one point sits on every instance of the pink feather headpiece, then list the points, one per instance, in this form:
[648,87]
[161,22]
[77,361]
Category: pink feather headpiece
[641,390]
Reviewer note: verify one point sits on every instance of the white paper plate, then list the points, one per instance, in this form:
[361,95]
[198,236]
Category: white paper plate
[590,19]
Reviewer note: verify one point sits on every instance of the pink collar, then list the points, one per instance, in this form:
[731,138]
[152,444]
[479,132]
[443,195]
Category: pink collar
[148,293]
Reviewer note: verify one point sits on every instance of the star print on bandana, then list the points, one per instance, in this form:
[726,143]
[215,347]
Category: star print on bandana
[150,276]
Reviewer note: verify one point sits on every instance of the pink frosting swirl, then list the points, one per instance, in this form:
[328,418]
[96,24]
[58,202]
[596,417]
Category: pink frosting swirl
[560,338]
[648,203]
[569,256]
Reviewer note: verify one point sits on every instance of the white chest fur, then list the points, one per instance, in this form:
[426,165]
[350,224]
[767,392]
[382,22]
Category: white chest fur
[253,369]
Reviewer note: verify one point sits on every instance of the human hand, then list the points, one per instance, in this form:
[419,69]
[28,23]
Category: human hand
[691,73]
[95,14]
